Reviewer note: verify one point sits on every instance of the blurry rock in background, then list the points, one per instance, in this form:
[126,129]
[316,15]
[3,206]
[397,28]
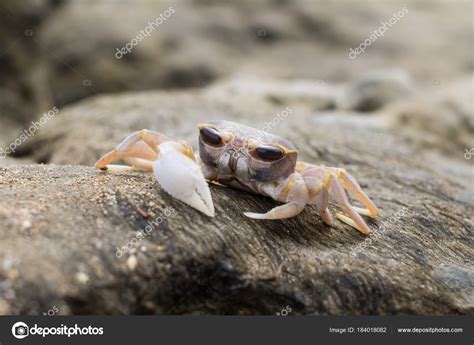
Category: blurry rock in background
[57,52]
[24,82]
[440,117]
[376,89]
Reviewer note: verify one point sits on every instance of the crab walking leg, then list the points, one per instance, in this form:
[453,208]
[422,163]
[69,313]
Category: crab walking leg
[292,192]
[351,185]
[136,158]
[355,219]
[322,206]
[318,194]
[143,144]
[320,179]
[138,163]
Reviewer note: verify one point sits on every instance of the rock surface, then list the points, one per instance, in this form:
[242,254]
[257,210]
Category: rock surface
[61,225]
[377,89]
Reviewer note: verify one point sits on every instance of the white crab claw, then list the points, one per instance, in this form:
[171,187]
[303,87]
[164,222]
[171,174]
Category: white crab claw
[182,178]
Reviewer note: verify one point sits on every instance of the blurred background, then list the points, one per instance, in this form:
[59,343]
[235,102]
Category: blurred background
[55,52]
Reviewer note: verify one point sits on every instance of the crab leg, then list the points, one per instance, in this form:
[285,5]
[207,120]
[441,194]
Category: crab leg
[143,144]
[351,185]
[139,163]
[280,212]
[318,193]
[355,219]
[322,206]
[319,180]
[293,192]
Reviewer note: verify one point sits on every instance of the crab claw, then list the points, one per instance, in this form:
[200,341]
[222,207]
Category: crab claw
[178,173]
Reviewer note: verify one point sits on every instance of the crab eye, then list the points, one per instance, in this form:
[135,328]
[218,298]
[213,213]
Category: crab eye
[210,136]
[269,153]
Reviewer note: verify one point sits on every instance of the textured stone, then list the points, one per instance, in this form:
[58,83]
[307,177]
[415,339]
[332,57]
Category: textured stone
[60,225]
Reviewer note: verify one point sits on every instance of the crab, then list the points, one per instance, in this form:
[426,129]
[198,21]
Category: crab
[249,159]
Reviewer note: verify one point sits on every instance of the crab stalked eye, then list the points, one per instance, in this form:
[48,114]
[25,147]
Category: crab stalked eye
[210,136]
[269,153]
